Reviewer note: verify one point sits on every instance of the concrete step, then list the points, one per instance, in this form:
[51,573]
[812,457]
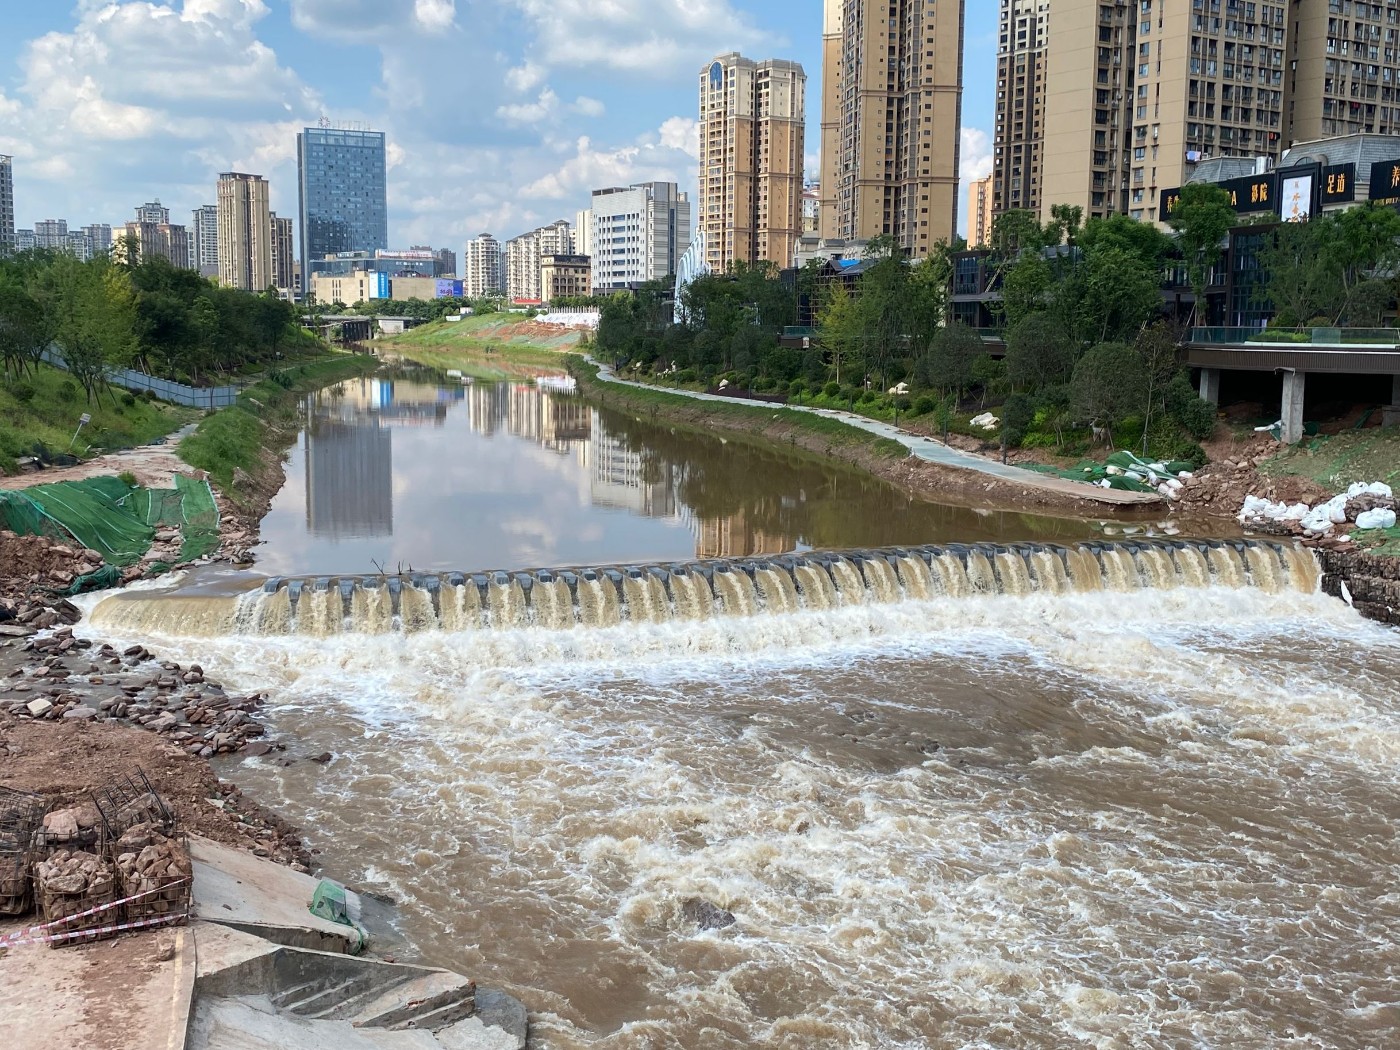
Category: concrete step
[296,992]
[330,997]
[434,999]
[370,988]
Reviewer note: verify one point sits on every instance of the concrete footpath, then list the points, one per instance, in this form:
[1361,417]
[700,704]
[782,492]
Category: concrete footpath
[253,970]
[925,448]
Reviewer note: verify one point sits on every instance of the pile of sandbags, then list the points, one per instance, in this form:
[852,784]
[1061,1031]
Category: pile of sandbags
[156,869]
[1367,506]
[70,882]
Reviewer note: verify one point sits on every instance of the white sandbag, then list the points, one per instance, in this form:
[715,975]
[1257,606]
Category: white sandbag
[1318,519]
[1186,475]
[1375,488]
[1376,519]
[986,421]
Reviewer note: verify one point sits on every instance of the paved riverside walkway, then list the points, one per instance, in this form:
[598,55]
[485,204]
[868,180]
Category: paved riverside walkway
[925,448]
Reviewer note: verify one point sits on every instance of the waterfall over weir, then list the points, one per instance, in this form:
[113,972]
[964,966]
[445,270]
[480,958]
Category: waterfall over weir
[559,599]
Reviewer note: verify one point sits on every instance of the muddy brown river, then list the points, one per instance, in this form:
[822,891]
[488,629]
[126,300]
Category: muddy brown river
[1157,813]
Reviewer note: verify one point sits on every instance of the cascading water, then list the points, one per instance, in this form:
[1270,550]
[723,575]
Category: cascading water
[607,597]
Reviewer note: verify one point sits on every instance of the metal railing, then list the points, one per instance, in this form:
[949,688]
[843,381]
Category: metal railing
[176,393]
[1310,337]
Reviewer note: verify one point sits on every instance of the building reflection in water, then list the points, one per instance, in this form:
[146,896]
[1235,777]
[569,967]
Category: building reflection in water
[350,453]
[349,457]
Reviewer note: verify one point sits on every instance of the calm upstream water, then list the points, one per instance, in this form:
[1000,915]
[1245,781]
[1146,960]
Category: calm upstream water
[412,472]
[1157,814]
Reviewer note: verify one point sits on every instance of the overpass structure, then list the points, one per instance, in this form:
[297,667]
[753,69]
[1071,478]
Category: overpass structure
[1294,354]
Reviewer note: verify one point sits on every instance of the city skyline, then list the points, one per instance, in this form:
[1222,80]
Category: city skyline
[563,101]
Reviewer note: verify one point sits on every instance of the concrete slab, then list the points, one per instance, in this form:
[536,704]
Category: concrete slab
[253,1023]
[131,993]
[236,889]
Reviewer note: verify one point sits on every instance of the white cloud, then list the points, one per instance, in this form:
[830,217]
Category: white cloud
[435,15]
[525,77]
[546,106]
[975,156]
[588,107]
[369,20]
[654,36]
[682,133]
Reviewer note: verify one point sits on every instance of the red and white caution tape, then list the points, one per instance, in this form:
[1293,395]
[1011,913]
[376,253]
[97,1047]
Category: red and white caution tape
[37,933]
[98,931]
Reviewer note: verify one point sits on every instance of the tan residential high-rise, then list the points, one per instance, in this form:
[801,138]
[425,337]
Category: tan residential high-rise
[1345,71]
[897,119]
[245,232]
[1020,114]
[981,211]
[283,258]
[1134,95]
[752,118]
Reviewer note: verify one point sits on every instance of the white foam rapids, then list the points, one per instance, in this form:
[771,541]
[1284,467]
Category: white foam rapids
[1142,800]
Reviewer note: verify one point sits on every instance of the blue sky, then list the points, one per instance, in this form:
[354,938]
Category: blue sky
[501,114]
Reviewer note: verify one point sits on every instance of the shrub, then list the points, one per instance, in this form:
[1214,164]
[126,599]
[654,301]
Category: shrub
[1038,439]
[923,405]
[867,395]
[849,393]
[763,384]
[832,389]
[22,392]
[128,399]
[126,477]
[686,375]
[68,391]
[797,388]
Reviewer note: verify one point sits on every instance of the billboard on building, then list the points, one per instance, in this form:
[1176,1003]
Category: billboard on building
[1338,184]
[1297,191]
[449,289]
[1385,182]
[379,285]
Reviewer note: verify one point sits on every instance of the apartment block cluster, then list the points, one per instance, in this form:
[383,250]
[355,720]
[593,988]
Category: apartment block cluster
[1111,106]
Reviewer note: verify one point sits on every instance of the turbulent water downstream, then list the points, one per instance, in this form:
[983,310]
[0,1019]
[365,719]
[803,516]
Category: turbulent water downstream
[1155,812]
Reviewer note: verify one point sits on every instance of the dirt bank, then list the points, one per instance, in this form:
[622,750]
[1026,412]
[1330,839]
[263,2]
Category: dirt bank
[884,459]
[66,760]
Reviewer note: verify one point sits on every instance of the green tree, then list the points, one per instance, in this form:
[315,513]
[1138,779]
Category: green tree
[1039,352]
[1108,384]
[1201,218]
[1117,293]
[95,312]
[25,330]
[1302,278]
[839,327]
[952,359]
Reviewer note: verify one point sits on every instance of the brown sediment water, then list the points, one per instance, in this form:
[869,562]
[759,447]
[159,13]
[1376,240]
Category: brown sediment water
[1013,794]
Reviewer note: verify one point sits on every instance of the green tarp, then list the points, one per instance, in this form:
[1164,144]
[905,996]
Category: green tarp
[114,519]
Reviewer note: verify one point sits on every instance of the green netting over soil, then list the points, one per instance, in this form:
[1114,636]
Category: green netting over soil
[114,519]
[1121,470]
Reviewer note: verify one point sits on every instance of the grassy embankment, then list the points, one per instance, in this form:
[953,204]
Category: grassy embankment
[817,433]
[43,410]
[491,347]
[236,440]
[1342,460]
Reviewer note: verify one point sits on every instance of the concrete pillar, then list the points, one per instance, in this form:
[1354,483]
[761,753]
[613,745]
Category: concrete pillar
[1210,385]
[1294,384]
[1391,414]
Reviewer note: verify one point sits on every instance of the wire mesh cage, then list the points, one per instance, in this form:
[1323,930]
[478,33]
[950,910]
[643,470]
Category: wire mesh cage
[75,890]
[130,800]
[20,816]
[155,874]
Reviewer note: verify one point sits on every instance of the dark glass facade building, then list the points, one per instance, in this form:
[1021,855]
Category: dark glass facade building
[342,199]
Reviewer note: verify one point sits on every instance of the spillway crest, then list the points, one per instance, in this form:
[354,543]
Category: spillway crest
[608,596]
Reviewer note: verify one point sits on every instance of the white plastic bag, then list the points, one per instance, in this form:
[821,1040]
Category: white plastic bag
[1376,519]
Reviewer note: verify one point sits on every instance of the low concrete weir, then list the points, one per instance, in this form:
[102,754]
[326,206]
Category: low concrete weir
[611,595]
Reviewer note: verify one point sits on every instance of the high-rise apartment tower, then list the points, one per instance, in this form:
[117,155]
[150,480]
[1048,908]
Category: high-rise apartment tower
[1131,96]
[7,203]
[204,240]
[752,116]
[481,267]
[1020,115]
[245,232]
[283,257]
[892,120]
[980,211]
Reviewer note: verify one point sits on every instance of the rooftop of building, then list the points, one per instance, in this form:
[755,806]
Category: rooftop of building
[1360,149]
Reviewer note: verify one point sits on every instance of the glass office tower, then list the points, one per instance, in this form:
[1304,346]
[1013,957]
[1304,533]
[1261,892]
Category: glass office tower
[342,204]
